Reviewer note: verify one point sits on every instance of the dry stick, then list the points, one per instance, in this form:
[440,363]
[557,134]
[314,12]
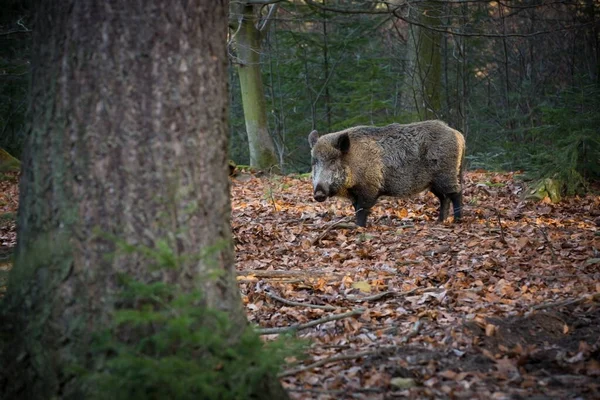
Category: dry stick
[298,327]
[397,294]
[324,361]
[413,332]
[341,357]
[583,299]
[502,239]
[553,277]
[295,303]
[330,227]
[375,296]
[554,259]
[437,228]
[275,280]
[337,392]
[278,273]
[408,262]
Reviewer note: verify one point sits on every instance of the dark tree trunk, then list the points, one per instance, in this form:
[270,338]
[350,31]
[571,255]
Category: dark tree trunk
[128,139]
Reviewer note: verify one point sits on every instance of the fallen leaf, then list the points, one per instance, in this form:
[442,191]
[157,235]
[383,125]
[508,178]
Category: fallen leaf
[363,286]
[403,383]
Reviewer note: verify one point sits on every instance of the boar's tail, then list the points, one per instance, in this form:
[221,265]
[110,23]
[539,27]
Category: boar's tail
[461,160]
[462,167]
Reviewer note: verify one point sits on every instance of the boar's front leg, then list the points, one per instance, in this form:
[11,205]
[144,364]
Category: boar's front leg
[361,214]
[362,207]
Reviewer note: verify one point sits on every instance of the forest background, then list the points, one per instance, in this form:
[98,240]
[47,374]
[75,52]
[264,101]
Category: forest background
[520,79]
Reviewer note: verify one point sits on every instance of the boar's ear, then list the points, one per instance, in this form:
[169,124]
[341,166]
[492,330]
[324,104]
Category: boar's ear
[343,143]
[312,138]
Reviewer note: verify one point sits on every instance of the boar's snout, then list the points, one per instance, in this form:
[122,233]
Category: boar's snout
[320,194]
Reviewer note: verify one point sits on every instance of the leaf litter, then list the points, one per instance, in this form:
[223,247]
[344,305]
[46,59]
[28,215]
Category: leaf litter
[504,305]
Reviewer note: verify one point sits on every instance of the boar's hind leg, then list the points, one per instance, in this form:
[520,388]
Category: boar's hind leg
[457,204]
[444,203]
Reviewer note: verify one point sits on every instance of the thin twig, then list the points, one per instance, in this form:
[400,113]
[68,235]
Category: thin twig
[394,293]
[298,327]
[579,275]
[341,357]
[437,228]
[274,280]
[583,299]
[354,392]
[413,332]
[295,303]
[502,239]
[408,262]
[330,227]
[278,273]
[554,259]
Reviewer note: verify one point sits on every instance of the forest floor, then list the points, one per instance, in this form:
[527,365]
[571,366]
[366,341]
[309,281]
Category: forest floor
[503,305]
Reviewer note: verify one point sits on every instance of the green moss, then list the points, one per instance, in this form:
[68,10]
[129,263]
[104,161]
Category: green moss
[267,161]
[8,163]
[546,188]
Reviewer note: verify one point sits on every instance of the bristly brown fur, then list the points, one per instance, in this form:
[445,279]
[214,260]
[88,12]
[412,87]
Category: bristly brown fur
[394,160]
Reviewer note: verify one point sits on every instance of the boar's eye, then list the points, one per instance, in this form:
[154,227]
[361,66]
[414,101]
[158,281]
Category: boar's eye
[313,161]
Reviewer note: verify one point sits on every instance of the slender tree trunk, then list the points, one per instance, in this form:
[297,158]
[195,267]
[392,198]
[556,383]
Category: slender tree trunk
[506,66]
[429,62]
[326,71]
[128,140]
[464,71]
[262,147]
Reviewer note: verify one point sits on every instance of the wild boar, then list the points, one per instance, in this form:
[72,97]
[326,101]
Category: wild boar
[365,162]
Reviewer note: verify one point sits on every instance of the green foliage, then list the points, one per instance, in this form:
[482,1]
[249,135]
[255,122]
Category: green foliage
[14,74]
[326,72]
[8,217]
[569,138]
[564,144]
[164,343]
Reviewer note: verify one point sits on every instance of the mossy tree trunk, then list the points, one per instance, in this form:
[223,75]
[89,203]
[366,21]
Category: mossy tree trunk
[428,60]
[128,139]
[248,44]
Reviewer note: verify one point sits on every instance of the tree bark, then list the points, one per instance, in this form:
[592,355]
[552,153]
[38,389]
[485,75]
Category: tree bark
[261,145]
[128,139]
[429,61]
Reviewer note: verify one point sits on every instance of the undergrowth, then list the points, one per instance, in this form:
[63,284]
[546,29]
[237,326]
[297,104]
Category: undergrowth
[163,343]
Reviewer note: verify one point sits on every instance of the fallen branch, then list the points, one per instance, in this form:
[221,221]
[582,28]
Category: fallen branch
[437,228]
[405,226]
[295,303]
[583,299]
[502,238]
[570,276]
[330,227]
[275,280]
[408,262]
[413,332]
[394,293]
[278,273]
[547,241]
[341,357]
[298,327]
[338,393]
